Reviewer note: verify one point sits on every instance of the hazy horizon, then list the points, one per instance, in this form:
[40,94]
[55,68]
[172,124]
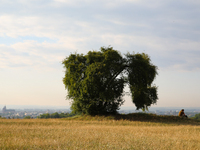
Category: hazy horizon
[68,107]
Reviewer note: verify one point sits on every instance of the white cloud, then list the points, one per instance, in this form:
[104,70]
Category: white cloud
[129,25]
[32,54]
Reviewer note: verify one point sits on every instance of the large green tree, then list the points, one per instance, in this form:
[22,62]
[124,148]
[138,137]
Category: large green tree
[95,82]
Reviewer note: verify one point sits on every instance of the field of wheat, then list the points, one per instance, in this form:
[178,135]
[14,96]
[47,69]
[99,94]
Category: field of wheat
[96,134]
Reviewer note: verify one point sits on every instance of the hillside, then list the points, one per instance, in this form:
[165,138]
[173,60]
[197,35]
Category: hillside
[142,117]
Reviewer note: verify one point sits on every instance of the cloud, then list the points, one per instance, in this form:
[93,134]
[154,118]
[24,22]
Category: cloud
[45,32]
[33,55]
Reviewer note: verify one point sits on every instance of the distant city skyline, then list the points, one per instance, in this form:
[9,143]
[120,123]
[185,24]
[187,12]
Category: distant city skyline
[36,36]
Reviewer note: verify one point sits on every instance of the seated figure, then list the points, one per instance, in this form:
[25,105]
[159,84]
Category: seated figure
[182,114]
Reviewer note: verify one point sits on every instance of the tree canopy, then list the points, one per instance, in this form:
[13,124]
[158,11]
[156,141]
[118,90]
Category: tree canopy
[197,116]
[95,82]
[55,115]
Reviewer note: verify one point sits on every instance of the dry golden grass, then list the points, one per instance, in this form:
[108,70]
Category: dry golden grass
[106,134]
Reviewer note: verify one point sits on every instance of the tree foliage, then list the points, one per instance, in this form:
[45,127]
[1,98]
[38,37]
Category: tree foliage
[56,115]
[95,82]
[197,116]
[27,117]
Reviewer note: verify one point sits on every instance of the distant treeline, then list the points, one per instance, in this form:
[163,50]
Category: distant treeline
[56,115]
[2,117]
[197,116]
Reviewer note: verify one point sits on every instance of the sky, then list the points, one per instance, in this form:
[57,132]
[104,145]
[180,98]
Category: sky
[37,35]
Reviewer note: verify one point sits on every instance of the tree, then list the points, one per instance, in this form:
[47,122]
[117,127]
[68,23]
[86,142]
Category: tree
[55,115]
[197,116]
[95,81]
[27,117]
[47,115]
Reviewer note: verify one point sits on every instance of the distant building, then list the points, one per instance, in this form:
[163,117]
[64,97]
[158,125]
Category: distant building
[4,110]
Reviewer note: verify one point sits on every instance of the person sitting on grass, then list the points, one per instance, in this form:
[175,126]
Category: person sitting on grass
[182,114]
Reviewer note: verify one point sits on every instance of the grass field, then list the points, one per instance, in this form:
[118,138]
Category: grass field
[134,131]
